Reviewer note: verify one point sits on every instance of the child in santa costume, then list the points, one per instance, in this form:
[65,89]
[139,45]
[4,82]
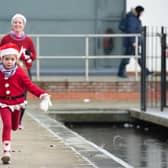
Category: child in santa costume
[14,81]
[18,36]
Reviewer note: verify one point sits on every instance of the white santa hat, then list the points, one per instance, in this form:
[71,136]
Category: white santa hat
[9,48]
[18,15]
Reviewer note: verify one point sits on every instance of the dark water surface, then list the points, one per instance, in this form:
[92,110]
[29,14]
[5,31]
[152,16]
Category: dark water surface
[142,145]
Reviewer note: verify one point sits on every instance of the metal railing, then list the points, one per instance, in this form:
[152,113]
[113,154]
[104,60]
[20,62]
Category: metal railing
[86,57]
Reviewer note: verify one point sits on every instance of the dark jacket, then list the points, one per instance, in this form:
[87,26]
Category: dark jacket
[134,25]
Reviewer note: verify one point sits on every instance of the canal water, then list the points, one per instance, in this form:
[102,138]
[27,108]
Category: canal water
[142,145]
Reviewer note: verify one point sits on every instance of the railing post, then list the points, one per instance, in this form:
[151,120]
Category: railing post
[136,57]
[38,60]
[86,58]
[143,72]
[163,69]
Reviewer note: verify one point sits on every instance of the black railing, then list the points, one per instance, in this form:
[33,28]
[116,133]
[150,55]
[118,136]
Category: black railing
[143,72]
[154,88]
[163,68]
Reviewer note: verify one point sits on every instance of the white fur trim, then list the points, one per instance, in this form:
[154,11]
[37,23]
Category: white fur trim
[7,145]
[14,107]
[43,95]
[9,51]
[29,61]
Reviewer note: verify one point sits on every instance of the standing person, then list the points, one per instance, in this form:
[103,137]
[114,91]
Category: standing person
[132,25]
[108,43]
[24,42]
[14,81]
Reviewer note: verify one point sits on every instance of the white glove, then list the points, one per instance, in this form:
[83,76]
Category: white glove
[45,102]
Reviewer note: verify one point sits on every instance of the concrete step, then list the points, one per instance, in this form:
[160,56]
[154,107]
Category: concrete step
[90,115]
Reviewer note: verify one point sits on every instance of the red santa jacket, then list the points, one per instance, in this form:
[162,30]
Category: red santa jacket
[15,86]
[26,43]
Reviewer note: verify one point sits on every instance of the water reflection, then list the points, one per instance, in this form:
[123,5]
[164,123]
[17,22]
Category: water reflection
[141,145]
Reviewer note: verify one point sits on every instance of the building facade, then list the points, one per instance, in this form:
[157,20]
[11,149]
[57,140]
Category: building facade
[68,17]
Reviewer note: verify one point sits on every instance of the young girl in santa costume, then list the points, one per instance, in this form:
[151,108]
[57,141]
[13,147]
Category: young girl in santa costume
[18,36]
[14,81]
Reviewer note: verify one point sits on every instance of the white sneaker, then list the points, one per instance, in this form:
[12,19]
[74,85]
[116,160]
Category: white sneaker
[6,158]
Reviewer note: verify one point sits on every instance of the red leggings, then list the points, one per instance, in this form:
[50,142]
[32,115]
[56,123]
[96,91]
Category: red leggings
[10,122]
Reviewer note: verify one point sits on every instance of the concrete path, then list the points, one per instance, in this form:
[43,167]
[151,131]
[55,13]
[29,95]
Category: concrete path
[35,147]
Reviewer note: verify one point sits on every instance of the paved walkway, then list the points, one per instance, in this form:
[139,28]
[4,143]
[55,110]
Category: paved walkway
[35,147]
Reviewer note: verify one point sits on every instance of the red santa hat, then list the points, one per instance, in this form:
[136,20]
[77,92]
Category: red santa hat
[9,48]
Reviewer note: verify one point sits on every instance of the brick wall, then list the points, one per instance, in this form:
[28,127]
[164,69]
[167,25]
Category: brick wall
[93,90]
